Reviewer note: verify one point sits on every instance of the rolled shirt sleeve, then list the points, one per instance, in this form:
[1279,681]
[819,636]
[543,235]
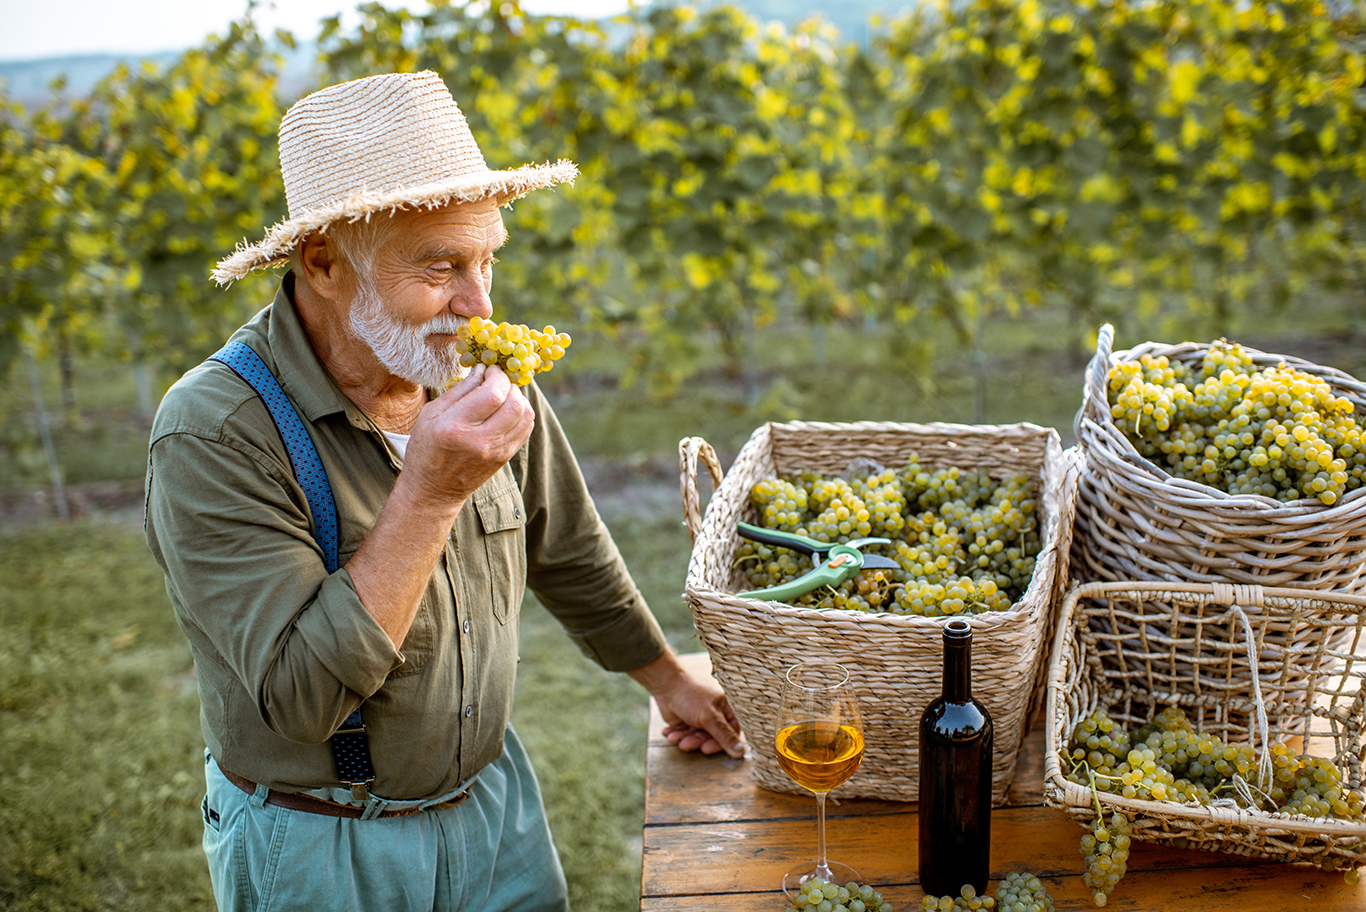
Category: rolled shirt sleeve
[250,584]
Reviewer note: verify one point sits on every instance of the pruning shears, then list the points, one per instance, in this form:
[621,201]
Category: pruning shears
[834,563]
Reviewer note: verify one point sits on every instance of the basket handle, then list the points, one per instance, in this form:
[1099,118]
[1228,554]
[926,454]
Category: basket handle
[689,450]
[1235,597]
[1095,403]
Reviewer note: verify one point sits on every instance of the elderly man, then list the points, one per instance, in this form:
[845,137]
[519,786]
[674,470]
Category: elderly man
[346,544]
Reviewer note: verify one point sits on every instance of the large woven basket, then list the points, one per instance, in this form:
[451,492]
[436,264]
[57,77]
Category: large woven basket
[896,661]
[1114,650]
[1137,522]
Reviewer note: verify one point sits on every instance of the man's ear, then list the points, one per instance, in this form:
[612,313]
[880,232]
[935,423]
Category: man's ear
[323,268]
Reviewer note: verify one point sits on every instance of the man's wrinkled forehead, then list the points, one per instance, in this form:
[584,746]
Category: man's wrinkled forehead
[456,230]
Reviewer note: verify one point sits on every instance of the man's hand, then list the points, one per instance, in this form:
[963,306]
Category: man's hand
[695,709]
[466,435]
[460,440]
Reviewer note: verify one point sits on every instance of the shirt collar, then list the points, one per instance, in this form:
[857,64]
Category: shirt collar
[297,365]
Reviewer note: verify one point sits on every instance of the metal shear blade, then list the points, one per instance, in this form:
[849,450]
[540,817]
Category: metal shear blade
[834,563]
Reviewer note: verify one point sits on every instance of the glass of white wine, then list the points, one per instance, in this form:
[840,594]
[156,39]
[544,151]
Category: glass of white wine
[820,745]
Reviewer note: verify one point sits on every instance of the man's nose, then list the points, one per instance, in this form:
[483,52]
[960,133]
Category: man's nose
[471,298]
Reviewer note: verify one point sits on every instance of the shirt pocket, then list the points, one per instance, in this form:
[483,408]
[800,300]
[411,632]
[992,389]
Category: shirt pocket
[502,518]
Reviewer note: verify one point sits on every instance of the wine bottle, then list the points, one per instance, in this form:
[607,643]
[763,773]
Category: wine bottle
[955,777]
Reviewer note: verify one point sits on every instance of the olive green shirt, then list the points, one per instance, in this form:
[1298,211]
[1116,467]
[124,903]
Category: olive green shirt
[284,651]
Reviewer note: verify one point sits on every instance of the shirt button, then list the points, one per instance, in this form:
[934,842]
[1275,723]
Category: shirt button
[469,711]
[466,625]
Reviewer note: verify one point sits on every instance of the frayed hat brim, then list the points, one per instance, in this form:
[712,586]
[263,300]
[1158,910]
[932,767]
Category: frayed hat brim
[280,240]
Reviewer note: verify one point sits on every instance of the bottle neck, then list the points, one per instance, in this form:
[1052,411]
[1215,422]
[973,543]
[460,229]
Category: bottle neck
[957,670]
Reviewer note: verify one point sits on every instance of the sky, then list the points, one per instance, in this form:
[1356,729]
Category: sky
[31,29]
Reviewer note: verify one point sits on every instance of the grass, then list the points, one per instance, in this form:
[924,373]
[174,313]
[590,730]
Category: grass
[103,758]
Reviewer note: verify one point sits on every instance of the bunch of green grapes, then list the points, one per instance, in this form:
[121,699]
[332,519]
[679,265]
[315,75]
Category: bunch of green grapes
[1102,744]
[964,542]
[1022,891]
[967,899]
[1278,432]
[521,352]
[1105,852]
[1203,761]
[781,503]
[1167,760]
[1311,786]
[818,895]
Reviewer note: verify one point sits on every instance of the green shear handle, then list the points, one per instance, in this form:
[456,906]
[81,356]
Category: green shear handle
[834,563]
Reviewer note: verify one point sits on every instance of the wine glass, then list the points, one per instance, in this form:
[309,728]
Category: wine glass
[820,745]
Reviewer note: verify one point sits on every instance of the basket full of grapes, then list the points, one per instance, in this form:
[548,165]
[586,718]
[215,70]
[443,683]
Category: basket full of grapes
[965,521]
[1206,463]
[1205,740]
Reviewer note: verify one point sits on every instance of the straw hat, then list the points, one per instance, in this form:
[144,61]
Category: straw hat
[380,143]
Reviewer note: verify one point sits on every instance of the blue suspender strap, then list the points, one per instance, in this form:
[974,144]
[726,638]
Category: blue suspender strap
[303,455]
[350,745]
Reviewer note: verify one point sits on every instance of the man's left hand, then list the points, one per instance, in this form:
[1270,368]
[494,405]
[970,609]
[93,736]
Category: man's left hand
[695,709]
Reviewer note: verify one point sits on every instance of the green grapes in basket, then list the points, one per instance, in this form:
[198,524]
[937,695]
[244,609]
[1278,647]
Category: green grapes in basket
[1278,432]
[959,540]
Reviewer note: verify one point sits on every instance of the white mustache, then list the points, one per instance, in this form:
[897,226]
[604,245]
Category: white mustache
[444,325]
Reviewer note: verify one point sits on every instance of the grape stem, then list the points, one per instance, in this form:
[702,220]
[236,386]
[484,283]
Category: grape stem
[1095,795]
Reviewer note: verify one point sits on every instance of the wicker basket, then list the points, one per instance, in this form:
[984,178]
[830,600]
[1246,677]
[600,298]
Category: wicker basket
[1114,650]
[897,661]
[1137,522]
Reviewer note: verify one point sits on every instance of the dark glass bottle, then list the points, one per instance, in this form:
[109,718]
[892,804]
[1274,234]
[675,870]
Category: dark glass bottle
[955,777]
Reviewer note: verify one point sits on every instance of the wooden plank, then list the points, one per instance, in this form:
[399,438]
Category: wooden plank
[734,857]
[1234,888]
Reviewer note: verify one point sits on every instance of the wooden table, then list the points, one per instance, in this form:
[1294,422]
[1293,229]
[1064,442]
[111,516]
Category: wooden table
[714,840]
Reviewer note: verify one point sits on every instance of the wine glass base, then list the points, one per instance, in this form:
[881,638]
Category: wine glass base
[835,872]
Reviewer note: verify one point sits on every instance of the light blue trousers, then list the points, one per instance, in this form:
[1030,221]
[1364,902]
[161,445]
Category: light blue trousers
[492,852]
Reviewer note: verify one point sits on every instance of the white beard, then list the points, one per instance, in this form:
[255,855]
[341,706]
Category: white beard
[405,349]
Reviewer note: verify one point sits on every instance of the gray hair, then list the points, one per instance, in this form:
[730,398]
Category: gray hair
[357,242]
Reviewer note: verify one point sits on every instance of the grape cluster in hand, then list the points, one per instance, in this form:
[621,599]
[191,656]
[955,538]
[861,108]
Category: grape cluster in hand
[818,895]
[521,352]
[964,542]
[1278,432]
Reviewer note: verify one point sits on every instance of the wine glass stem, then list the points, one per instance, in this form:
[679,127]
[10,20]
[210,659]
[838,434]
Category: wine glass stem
[822,866]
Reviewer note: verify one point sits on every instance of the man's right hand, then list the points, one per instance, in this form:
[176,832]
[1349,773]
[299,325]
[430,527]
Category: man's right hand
[466,435]
[460,440]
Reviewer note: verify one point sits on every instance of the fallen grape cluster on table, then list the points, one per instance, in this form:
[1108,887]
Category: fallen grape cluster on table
[1019,891]
[819,895]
